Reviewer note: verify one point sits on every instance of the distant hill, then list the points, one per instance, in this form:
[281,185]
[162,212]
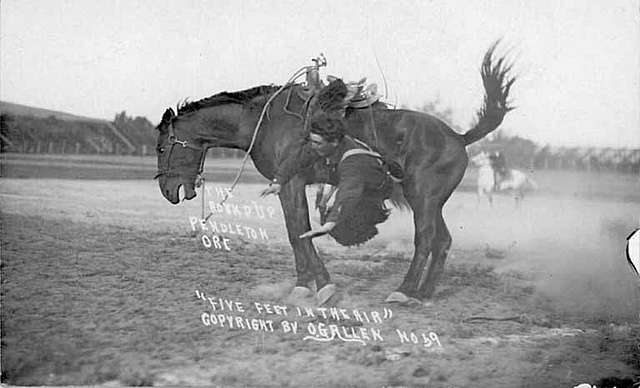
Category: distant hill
[24,110]
[28,129]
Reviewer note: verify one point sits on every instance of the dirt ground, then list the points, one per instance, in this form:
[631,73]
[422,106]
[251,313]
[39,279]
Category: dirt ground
[99,281]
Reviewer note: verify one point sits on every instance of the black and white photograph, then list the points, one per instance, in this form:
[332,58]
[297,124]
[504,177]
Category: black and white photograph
[356,193]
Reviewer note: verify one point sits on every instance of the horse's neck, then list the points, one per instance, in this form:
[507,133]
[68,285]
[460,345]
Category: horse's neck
[222,125]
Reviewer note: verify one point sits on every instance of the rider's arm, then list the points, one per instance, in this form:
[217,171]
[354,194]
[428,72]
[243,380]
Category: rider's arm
[302,158]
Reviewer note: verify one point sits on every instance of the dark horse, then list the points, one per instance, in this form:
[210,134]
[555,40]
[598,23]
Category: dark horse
[432,154]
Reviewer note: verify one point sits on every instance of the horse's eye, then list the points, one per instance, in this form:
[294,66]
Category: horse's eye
[160,149]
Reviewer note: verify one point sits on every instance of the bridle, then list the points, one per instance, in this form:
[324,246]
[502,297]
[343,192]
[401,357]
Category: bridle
[173,141]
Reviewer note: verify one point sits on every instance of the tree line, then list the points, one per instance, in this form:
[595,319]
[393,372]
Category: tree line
[136,136]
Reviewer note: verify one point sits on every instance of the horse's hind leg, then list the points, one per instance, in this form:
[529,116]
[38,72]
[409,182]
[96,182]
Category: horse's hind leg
[424,211]
[441,241]
[439,251]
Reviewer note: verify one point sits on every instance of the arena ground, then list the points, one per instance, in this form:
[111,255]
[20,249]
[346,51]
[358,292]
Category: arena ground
[100,273]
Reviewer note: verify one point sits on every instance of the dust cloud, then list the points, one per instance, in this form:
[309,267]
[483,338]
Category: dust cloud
[589,275]
[572,248]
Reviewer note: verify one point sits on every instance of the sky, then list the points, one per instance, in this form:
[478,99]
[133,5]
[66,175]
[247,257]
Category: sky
[577,62]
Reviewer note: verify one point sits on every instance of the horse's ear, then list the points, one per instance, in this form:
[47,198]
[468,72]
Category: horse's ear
[168,115]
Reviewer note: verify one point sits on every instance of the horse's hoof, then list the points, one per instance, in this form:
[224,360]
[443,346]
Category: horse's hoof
[298,294]
[397,297]
[401,298]
[325,293]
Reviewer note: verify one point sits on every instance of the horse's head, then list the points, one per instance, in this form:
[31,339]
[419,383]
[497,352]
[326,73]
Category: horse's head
[225,119]
[180,155]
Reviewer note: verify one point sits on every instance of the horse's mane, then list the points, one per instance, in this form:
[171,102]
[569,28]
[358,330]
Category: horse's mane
[222,98]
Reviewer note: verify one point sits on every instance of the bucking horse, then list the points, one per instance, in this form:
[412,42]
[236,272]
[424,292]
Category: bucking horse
[433,157]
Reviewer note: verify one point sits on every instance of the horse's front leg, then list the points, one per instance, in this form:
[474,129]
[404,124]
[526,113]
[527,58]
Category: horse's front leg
[309,267]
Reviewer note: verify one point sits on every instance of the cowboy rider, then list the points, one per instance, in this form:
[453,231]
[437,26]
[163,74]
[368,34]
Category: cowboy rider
[358,173]
[499,166]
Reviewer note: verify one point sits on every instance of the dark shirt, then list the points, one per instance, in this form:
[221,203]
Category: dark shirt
[356,176]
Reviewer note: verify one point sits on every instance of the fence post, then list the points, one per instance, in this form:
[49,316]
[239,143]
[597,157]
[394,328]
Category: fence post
[50,150]
[144,150]
[77,148]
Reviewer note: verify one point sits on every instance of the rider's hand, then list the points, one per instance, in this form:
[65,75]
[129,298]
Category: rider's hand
[273,188]
[326,228]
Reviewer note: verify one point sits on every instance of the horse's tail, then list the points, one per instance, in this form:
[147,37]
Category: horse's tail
[497,84]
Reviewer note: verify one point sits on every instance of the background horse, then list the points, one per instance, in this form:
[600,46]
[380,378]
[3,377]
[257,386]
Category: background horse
[514,181]
[433,156]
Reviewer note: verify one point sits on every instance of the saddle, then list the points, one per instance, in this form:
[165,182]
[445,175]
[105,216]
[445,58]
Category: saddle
[355,95]
[337,97]
[359,94]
